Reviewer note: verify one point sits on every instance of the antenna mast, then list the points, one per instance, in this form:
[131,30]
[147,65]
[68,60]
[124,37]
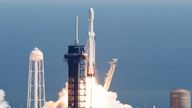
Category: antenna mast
[77,31]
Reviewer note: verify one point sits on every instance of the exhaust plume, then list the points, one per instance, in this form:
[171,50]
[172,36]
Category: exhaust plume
[3,103]
[101,99]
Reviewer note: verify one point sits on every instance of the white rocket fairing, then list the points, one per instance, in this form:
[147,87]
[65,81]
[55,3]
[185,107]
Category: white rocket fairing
[91,46]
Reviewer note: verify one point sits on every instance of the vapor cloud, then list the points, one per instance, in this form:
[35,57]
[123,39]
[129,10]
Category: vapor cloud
[107,99]
[61,102]
[103,99]
[3,103]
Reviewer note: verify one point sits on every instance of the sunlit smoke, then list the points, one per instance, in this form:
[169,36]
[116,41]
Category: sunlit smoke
[3,103]
[62,101]
[101,98]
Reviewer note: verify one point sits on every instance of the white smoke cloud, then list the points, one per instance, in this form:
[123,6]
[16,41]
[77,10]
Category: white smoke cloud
[102,99]
[106,99]
[3,103]
[61,102]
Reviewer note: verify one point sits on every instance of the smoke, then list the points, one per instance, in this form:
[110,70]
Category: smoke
[3,103]
[61,102]
[106,99]
[101,99]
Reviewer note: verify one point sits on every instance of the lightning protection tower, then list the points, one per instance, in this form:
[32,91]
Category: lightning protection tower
[36,82]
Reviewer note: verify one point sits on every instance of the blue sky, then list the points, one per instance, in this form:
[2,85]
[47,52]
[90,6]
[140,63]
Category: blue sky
[95,1]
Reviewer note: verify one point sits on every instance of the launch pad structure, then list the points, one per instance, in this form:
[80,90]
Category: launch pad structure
[76,76]
[75,59]
[81,65]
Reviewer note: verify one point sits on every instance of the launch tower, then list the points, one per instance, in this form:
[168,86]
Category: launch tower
[76,82]
[36,82]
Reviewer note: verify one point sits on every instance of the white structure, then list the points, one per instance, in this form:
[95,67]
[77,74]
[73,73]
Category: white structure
[36,82]
[109,74]
[91,46]
[90,58]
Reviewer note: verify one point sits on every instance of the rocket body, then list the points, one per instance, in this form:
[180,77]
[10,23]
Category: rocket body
[90,60]
[91,45]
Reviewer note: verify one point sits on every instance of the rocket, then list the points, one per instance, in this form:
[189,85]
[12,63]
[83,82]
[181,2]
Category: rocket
[91,45]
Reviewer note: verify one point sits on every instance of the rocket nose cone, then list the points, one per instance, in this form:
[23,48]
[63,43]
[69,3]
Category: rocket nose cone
[91,14]
[91,10]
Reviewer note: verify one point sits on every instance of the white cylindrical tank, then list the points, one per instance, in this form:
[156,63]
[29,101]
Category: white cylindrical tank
[180,98]
[36,55]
